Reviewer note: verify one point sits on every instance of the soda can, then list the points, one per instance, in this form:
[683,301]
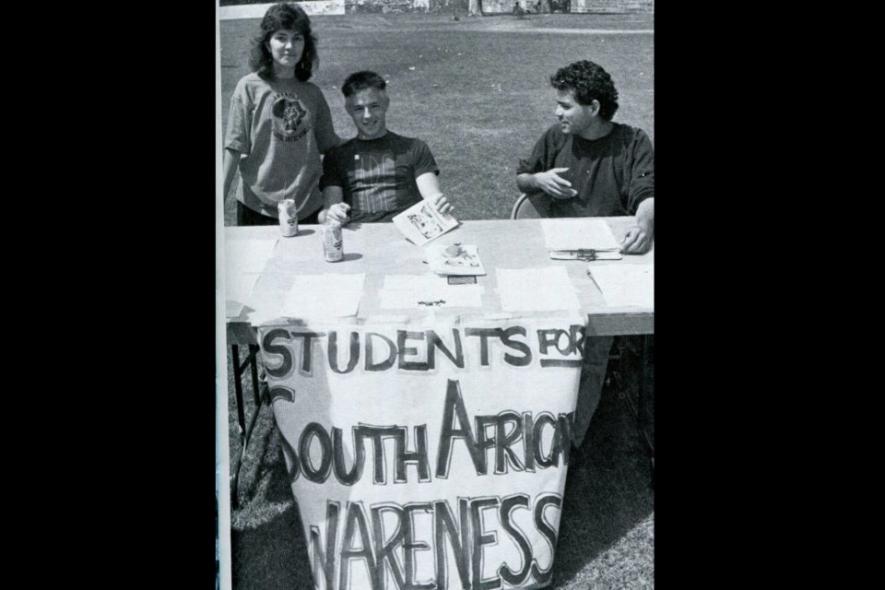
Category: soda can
[288,217]
[333,241]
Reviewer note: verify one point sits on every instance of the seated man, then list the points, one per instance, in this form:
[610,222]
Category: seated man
[377,174]
[587,166]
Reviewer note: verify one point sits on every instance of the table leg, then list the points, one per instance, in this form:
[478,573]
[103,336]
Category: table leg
[259,392]
[256,389]
[645,361]
[238,389]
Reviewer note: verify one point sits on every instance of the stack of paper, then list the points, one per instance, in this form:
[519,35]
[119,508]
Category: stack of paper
[244,259]
[238,287]
[625,285]
[567,238]
[551,289]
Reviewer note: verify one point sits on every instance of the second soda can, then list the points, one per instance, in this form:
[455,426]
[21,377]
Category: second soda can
[333,242]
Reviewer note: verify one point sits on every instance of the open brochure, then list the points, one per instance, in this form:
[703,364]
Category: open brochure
[422,223]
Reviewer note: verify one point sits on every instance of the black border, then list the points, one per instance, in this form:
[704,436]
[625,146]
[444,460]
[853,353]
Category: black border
[148,187]
[718,227]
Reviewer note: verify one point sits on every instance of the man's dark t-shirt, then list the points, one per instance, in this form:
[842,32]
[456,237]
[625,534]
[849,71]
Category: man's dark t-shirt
[377,176]
[612,174]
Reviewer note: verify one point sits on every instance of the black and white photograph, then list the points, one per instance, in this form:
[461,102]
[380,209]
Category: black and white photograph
[385,425]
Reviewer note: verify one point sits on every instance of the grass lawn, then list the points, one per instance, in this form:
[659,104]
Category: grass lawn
[476,91]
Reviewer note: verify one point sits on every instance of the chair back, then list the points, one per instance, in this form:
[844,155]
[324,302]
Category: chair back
[531,206]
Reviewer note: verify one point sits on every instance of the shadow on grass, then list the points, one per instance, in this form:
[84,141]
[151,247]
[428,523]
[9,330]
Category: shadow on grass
[271,556]
[608,494]
[267,542]
[268,475]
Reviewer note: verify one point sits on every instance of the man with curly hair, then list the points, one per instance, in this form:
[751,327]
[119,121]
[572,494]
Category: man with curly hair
[587,165]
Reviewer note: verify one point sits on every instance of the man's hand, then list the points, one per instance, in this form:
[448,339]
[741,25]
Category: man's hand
[641,234]
[555,185]
[441,203]
[638,240]
[338,212]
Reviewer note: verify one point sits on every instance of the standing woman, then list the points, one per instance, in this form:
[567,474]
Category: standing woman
[279,123]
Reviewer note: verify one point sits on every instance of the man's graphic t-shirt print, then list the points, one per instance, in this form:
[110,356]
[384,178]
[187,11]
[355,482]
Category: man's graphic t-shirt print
[289,118]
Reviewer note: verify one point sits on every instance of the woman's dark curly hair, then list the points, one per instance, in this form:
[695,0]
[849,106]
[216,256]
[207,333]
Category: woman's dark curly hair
[588,81]
[289,17]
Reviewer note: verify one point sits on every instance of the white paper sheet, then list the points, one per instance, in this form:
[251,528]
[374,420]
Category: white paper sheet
[248,254]
[450,296]
[550,289]
[238,287]
[424,282]
[625,285]
[572,234]
[427,292]
[324,295]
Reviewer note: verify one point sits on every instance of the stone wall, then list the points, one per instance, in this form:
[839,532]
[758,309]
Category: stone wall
[502,6]
[352,6]
[357,6]
[489,6]
[577,6]
[613,6]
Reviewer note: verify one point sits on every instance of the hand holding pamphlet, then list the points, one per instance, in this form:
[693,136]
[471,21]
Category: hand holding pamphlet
[422,223]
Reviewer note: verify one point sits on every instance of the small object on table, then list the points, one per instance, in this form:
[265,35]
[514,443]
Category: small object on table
[586,254]
[453,251]
[333,241]
[288,216]
[455,259]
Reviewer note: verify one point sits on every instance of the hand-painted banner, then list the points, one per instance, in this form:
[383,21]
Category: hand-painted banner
[427,457]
